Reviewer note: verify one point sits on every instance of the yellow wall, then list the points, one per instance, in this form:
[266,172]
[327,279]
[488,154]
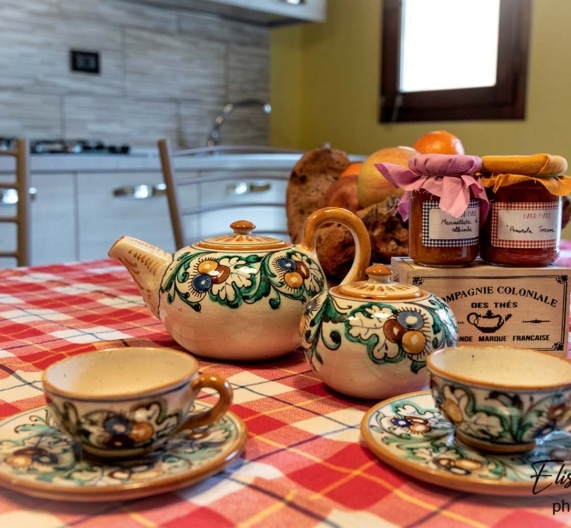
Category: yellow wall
[325,86]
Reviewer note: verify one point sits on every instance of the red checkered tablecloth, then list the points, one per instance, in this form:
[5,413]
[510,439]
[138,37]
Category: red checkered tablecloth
[304,464]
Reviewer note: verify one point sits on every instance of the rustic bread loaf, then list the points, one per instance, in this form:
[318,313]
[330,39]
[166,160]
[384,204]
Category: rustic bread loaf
[308,184]
[387,231]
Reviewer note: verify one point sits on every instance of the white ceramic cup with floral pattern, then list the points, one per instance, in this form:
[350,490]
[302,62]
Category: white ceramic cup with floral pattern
[499,398]
[126,402]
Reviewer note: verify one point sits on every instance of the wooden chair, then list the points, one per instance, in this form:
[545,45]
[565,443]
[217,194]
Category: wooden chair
[14,202]
[204,203]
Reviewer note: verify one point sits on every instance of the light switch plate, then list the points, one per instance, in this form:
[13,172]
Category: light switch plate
[84,61]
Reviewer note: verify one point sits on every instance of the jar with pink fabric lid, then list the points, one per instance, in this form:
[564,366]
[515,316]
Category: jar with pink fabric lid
[444,202]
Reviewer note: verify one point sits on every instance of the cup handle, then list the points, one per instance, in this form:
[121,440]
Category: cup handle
[222,387]
[358,231]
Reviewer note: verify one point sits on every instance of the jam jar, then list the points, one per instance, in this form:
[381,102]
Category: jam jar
[525,194]
[438,239]
[443,202]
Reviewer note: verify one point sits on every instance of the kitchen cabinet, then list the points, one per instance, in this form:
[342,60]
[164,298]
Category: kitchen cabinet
[52,219]
[83,204]
[259,12]
[53,210]
[241,190]
[290,10]
[111,205]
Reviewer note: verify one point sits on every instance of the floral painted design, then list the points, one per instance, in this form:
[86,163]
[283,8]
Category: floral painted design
[389,332]
[141,427]
[232,280]
[34,452]
[409,422]
[392,431]
[485,414]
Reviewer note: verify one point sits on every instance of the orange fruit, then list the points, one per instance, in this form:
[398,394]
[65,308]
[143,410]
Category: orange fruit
[343,193]
[439,142]
[352,169]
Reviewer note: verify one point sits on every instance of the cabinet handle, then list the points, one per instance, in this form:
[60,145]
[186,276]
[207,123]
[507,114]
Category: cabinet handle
[140,192]
[240,188]
[293,2]
[10,196]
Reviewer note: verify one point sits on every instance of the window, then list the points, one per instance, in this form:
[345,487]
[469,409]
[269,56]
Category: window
[414,91]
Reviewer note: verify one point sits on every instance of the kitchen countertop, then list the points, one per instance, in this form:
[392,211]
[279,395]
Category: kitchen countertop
[141,160]
[147,159]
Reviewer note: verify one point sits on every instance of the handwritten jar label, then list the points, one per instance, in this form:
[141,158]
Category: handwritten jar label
[525,224]
[440,229]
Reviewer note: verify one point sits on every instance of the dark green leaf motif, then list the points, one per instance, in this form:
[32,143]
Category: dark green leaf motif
[319,311]
[499,416]
[234,280]
[413,430]
[389,332]
[38,451]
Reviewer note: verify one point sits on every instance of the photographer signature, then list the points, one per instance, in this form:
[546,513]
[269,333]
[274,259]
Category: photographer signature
[544,469]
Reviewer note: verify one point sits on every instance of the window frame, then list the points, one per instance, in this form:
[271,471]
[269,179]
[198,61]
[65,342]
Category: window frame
[505,100]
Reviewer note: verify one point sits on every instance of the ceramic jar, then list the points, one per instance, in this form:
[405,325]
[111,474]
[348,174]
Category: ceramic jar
[370,339]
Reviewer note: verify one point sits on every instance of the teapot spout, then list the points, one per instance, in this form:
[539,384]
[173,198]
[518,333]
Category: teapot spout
[146,264]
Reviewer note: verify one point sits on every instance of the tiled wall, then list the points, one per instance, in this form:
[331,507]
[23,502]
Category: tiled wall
[164,73]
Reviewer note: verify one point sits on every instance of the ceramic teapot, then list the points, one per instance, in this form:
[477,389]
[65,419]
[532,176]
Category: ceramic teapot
[371,338]
[238,296]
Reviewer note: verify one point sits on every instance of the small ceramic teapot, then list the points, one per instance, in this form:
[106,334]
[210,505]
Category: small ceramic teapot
[238,296]
[370,339]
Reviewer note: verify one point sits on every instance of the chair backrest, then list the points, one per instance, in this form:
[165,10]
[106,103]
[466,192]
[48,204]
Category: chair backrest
[15,201]
[203,203]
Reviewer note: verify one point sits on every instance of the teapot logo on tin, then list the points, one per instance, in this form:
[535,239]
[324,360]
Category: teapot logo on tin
[488,322]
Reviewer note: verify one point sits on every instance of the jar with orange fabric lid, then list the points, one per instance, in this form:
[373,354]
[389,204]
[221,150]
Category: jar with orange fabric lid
[525,194]
[443,202]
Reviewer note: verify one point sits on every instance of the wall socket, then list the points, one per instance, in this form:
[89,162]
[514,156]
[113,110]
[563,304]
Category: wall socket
[84,61]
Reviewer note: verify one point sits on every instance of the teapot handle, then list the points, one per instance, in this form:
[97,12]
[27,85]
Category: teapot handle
[473,318]
[359,232]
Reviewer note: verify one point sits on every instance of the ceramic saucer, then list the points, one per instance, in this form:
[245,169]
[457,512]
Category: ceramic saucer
[38,460]
[409,434]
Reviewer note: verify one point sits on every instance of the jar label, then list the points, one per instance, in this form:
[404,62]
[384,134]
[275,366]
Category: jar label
[440,229]
[525,224]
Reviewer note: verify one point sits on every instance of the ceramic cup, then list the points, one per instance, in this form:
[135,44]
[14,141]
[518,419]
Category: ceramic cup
[125,402]
[500,399]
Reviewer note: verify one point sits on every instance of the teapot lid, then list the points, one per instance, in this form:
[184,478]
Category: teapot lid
[242,239]
[379,287]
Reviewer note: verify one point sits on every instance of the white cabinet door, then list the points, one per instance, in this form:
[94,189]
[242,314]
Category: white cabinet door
[111,205]
[52,220]
[236,194]
[53,214]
